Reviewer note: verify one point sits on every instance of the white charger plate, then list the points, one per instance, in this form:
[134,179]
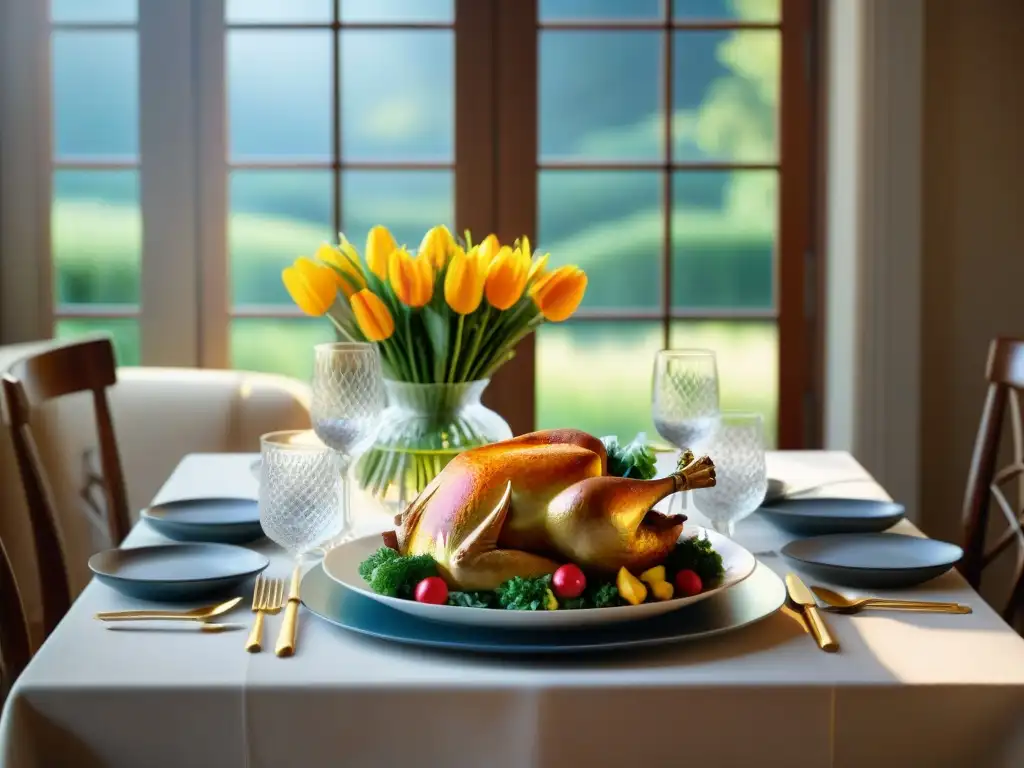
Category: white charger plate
[342,565]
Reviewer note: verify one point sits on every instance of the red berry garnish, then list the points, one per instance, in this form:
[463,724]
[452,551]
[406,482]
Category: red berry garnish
[688,583]
[432,590]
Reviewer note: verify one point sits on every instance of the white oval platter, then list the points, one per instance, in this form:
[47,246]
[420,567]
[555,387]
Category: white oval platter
[342,565]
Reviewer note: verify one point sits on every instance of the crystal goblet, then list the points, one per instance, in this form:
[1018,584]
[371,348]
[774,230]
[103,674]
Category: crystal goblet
[685,396]
[736,446]
[348,399]
[300,491]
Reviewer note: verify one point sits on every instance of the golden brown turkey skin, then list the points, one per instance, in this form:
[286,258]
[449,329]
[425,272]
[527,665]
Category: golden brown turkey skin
[524,506]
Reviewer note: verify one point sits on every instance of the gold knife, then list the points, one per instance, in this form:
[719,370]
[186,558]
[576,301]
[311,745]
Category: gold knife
[286,638]
[802,596]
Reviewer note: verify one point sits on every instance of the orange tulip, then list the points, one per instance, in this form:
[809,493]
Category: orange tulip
[344,261]
[464,281]
[558,294]
[506,278]
[379,247]
[436,245]
[312,286]
[372,316]
[489,249]
[411,279]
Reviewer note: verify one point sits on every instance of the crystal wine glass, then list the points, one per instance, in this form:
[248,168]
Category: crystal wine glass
[685,396]
[348,399]
[736,445]
[300,491]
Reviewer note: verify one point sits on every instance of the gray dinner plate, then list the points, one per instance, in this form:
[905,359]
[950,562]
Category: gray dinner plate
[176,572]
[755,598]
[223,520]
[817,516]
[872,560]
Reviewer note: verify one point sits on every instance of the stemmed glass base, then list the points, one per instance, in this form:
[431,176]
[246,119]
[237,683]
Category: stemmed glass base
[724,527]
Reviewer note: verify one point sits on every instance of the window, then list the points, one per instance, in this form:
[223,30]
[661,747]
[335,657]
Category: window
[96,223]
[340,116]
[658,166]
[664,145]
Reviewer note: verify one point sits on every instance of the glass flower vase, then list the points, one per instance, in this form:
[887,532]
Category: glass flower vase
[424,427]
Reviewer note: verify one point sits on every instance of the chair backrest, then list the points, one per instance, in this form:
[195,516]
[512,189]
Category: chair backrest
[14,640]
[86,366]
[986,483]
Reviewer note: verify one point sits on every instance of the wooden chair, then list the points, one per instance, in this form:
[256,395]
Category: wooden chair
[87,366]
[14,640]
[985,483]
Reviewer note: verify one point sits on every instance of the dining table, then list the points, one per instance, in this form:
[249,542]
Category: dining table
[905,689]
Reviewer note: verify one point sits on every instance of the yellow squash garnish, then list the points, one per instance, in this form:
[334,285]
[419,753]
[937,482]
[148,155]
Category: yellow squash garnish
[630,587]
[550,602]
[662,590]
[653,575]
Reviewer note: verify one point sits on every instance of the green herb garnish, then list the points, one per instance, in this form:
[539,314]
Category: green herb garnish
[596,595]
[473,599]
[396,575]
[695,554]
[382,555]
[519,594]
[634,460]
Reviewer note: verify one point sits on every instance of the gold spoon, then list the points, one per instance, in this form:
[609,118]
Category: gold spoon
[840,604]
[196,614]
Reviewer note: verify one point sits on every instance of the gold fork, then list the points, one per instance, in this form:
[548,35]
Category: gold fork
[267,597]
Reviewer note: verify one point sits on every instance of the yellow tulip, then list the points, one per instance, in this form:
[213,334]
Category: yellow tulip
[538,268]
[379,247]
[312,286]
[436,245]
[558,294]
[345,262]
[506,278]
[489,249]
[464,281]
[372,316]
[411,279]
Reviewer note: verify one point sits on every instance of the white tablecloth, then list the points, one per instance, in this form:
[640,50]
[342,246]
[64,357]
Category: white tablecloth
[906,689]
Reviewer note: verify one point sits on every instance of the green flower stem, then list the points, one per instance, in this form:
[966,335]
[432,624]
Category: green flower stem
[423,354]
[413,368]
[458,345]
[341,329]
[467,364]
[500,357]
[506,320]
[394,359]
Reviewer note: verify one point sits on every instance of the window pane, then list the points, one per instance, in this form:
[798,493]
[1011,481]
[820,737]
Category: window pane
[611,224]
[96,94]
[726,96]
[279,94]
[124,330]
[600,95]
[551,10]
[275,217]
[255,11]
[723,238]
[748,363]
[738,10]
[278,346]
[93,10]
[618,355]
[398,95]
[97,237]
[406,202]
[398,10]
